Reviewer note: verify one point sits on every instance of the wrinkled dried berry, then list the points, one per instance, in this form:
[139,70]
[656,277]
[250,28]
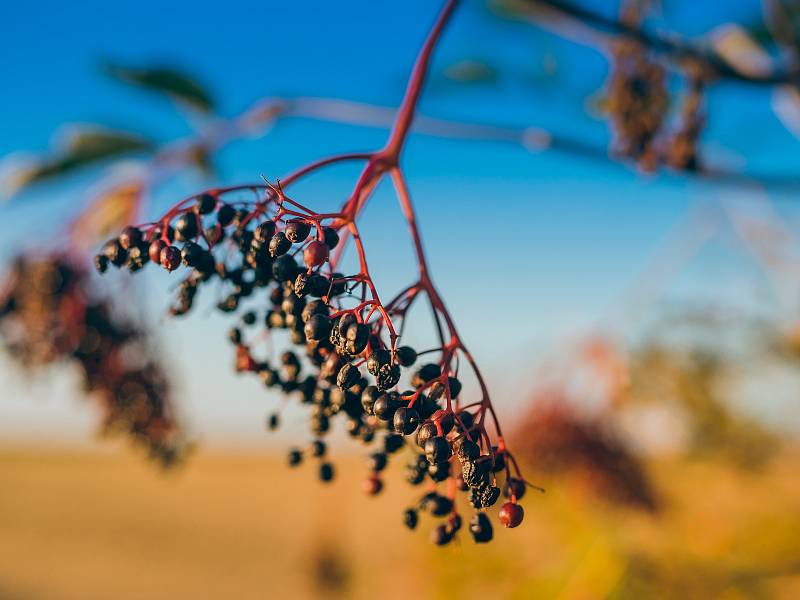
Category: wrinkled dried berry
[348,376]
[279,245]
[297,231]
[437,450]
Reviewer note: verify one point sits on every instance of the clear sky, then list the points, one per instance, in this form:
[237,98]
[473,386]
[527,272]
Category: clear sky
[529,249]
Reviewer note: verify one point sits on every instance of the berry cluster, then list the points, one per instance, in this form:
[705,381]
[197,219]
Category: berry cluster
[278,255]
[587,447]
[47,315]
[637,102]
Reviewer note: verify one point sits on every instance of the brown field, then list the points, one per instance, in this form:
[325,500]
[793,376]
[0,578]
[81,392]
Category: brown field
[86,525]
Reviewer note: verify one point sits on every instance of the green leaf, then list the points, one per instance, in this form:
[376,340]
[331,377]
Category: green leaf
[82,146]
[90,143]
[172,82]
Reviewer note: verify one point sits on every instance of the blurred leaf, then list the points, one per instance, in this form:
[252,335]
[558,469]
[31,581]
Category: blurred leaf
[177,85]
[201,158]
[471,71]
[781,20]
[90,143]
[108,213]
[81,147]
[737,48]
[786,106]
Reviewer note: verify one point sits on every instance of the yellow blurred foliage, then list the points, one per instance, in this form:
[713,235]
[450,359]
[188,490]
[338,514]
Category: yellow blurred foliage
[245,526]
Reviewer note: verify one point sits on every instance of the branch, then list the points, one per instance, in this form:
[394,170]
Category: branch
[671,45]
[409,105]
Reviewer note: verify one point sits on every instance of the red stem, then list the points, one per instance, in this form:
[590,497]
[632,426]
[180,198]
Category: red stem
[408,107]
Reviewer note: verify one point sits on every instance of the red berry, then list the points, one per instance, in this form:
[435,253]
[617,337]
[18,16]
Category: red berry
[373,485]
[156,246]
[511,514]
[170,258]
[315,254]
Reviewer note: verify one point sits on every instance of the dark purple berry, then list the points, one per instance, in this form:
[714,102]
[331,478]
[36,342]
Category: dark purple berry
[205,204]
[356,338]
[101,263]
[377,359]
[186,227]
[297,230]
[437,450]
[426,431]
[514,487]
[114,252]
[317,328]
[426,373]
[347,377]
[192,254]
[384,407]
[377,461]
[130,237]
[264,232]
[441,536]
[481,528]
[393,442]
[326,472]
[295,457]
[318,448]
[279,245]
[388,376]
[285,268]
[368,397]
[225,215]
[467,450]
[405,420]
[410,518]
[406,355]
[331,237]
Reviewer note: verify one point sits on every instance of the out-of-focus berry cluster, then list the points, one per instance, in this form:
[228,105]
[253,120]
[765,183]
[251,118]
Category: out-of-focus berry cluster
[638,106]
[48,315]
[637,102]
[570,442]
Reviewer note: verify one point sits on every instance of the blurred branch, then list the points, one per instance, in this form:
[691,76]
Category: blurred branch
[670,45]
[197,150]
[531,138]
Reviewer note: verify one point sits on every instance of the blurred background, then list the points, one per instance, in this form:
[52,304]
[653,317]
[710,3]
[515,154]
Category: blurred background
[608,198]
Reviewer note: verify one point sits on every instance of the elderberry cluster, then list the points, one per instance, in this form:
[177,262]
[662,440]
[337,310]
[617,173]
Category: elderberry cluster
[342,364]
[638,102]
[47,315]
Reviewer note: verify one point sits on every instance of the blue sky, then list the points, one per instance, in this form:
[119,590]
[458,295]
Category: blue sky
[529,249]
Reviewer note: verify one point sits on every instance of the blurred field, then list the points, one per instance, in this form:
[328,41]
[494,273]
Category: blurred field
[84,525]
